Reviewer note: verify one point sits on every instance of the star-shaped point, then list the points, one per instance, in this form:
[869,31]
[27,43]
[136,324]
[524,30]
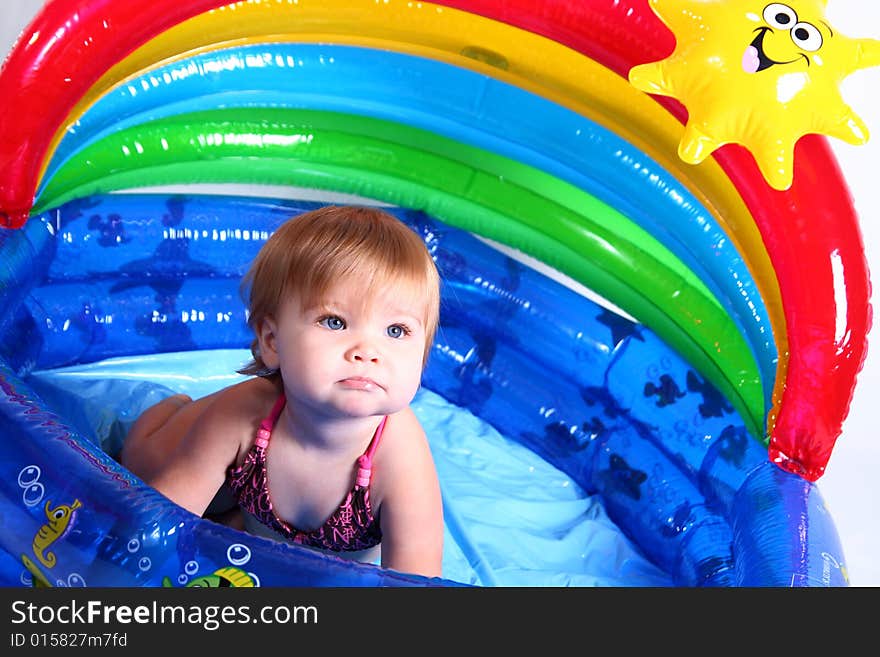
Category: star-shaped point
[757,74]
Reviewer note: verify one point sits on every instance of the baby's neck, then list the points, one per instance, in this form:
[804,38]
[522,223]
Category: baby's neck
[334,434]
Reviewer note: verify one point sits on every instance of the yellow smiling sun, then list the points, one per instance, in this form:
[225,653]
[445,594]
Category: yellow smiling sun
[757,74]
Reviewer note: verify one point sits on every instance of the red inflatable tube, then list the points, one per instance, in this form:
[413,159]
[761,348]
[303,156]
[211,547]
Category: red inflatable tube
[811,230]
[61,53]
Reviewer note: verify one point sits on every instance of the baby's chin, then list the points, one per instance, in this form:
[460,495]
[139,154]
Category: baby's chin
[376,401]
[362,405]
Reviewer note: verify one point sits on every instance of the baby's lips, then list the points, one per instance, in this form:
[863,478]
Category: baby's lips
[750,60]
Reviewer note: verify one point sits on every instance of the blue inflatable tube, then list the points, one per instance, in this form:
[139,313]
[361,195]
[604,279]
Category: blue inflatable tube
[598,397]
[505,120]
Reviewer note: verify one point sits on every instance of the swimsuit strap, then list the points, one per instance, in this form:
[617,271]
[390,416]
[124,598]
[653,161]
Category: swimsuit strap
[268,423]
[365,460]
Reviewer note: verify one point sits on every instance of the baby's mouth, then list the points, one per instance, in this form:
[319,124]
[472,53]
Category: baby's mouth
[360,383]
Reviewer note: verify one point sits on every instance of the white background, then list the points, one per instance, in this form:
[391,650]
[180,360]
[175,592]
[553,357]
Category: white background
[851,484]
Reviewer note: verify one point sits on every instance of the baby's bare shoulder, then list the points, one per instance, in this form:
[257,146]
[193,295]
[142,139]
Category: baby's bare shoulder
[237,410]
[404,443]
[404,425]
[247,396]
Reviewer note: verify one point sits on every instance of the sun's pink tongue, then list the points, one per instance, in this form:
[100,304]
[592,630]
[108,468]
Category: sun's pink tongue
[750,60]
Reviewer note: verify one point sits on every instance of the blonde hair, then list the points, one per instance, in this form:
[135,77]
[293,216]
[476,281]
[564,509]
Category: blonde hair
[311,252]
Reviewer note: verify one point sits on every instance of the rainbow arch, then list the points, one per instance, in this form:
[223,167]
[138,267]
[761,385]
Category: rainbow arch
[718,273]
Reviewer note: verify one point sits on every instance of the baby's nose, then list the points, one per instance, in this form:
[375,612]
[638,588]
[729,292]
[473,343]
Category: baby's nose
[363,351]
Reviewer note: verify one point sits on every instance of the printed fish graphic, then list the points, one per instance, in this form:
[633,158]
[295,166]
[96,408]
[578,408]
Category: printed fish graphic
[228,576]
[60,521]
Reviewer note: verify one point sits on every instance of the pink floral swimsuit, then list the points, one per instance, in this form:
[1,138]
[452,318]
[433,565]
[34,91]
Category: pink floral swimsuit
[351,527]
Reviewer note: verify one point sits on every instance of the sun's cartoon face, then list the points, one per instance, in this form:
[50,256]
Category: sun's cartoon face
[783,40]
[757,74]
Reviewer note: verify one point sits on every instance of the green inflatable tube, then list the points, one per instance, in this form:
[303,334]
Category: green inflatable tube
[474,189]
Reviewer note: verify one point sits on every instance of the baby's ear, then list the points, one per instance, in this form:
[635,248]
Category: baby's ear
[267,335]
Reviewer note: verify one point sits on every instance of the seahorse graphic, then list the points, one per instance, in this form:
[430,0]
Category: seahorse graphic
[60,521]
[38,578]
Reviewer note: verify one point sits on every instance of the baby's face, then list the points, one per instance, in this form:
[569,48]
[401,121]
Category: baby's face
[351,355]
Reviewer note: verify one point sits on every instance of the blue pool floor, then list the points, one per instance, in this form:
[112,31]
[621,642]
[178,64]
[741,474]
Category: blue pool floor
[511,519]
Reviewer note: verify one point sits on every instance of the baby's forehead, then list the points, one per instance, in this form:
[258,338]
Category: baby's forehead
[394,295]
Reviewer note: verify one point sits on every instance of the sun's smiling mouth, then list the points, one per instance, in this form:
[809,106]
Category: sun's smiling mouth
[755,59]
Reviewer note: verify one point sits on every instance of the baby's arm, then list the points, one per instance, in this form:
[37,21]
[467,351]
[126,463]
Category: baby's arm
[196,469]
[412,511]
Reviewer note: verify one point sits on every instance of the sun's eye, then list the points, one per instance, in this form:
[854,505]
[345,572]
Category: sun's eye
[780,16]
[332,322]
[806,37]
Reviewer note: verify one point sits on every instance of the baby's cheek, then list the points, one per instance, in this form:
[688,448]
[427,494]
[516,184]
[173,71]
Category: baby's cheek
[410,382]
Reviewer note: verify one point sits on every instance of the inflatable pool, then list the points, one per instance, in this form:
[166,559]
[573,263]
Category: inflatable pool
[623,336]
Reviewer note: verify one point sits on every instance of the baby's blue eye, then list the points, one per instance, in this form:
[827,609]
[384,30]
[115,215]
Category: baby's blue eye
[396,331]
[333,323]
